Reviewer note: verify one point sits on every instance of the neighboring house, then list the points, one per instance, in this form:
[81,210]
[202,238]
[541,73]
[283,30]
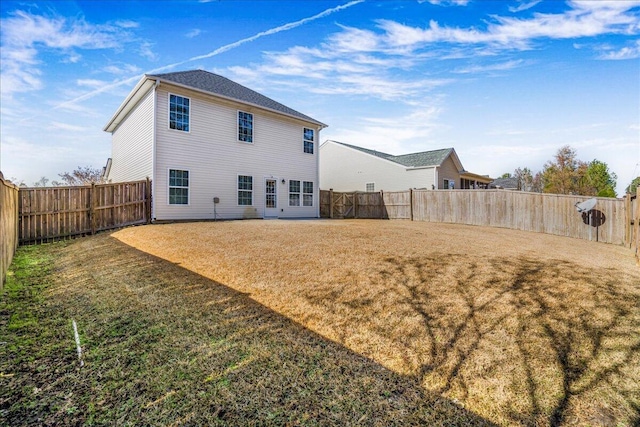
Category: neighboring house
[215,149]
[510,183]
[345,167]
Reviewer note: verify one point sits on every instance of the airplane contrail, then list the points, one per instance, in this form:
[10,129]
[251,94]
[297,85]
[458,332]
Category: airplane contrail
[218,51]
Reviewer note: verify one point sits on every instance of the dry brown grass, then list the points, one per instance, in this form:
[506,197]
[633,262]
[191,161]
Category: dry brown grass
[520,328]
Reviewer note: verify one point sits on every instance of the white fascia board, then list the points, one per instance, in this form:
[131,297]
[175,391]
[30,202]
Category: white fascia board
[138,92]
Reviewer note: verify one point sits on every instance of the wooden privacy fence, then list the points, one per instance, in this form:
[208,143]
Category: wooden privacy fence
[543,213]
[54,213]
[8,225]
[632,231]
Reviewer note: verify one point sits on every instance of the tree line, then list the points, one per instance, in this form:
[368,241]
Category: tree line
[566,174]
[82,175]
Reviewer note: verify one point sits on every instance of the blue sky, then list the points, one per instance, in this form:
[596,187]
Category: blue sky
[506,83]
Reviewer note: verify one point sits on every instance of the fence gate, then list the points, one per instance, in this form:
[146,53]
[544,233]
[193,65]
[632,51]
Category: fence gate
[343,205]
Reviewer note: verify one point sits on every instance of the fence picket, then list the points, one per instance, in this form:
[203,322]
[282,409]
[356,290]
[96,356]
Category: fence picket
[54,213]
[542,213]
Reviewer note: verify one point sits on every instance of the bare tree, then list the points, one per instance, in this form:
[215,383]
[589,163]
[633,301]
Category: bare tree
[82,176]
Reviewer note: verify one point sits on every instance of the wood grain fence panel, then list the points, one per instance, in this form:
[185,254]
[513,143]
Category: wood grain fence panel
[535,212]
[9,225]
[54,213]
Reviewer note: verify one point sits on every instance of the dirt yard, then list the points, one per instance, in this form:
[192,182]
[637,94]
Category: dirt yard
[519,328]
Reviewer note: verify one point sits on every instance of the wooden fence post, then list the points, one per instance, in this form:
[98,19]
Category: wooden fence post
[331,203]
[628,220]
[147,202]
[92,210]
[355,205]
[411,204]
[636,225]
[381,205]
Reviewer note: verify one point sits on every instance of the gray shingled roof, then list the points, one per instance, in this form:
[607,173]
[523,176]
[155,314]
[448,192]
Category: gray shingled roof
[511,182]
[413,160]
[218,85]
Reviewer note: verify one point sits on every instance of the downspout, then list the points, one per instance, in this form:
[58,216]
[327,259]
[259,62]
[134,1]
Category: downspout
[153,148]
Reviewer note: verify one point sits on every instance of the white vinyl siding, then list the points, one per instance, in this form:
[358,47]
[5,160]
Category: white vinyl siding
[132,144]
[347,169]
[214,158]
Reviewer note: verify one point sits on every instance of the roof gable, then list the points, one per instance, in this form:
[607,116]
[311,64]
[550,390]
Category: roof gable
[204,81]
[412,160]
[424,158]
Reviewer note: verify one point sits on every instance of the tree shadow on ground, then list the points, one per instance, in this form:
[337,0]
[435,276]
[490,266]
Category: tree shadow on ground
[533,342]
[165,346]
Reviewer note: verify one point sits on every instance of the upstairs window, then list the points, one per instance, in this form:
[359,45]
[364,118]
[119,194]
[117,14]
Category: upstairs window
[370,187]
[307,193]
[294,193]
[179,113]
[308,140]
[178,187]
[245,190]
[245,127]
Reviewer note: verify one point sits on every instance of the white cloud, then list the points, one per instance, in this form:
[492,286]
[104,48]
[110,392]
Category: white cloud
[502,66]
[628,52]
[404,132]
[26,34]
[122,69]
[146,51]
[446,2]
[584,19]
[523,6]
[89,83]
[193,33]
[67,127]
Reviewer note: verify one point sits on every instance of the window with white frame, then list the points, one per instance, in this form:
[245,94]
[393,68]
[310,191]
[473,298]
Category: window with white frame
[294,193]
[307,193]
[179,113]
[309,138]
[178,187]
[449,184]
[370,187]
[245,190]
[245,127]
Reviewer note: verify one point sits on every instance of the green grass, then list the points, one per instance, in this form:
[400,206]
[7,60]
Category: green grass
[165,346]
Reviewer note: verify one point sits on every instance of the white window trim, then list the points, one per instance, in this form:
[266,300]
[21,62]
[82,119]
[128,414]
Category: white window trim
[169,186]
[252,189]
[289,193]
[253,127]
[169,113]
[302,205]
[307,140]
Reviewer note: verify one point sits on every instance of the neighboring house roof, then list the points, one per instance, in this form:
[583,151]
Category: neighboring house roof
[210,83]
[508,183]
[413,160]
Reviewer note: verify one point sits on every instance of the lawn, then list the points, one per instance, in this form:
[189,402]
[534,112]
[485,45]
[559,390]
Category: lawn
[322,323]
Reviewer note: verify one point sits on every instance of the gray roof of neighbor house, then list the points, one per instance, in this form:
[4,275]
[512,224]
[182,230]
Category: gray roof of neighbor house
[511,182]
[205,81]
[413,160]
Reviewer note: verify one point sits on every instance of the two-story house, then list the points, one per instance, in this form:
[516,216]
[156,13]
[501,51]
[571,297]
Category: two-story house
[215,149]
